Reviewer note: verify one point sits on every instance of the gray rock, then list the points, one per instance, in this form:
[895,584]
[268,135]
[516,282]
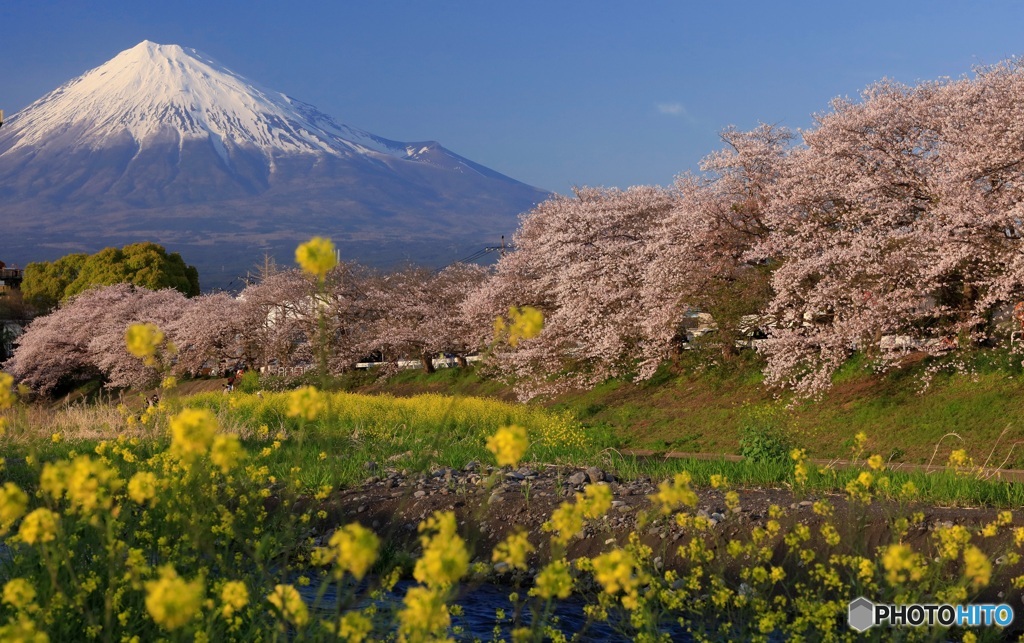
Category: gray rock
[577,478]
[595,475]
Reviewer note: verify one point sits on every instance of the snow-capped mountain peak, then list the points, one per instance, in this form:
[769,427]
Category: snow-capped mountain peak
[162,143]
[152,91]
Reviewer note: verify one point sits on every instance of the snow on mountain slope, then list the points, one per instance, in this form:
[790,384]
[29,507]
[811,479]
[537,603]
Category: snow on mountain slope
[161,143]
[149,88]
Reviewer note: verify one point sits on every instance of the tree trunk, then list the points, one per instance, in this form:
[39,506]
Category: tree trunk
[461,360]
[428,362]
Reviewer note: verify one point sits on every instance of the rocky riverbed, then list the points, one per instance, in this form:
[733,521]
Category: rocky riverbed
[491,502]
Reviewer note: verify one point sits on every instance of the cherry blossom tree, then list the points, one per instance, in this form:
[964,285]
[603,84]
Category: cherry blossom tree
[286,312]
[582,261]
[84,338]
[899,217]
[419,313]
[210,328]
[699,261]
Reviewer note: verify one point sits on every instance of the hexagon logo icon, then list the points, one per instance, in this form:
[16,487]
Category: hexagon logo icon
[862,614]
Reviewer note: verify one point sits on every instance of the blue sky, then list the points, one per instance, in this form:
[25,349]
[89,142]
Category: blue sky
[552,93]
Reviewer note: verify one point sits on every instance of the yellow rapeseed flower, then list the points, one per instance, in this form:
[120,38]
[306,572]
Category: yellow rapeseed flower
[171,600]
[233,597]
[514,550]
[142,487]
[142,341]
[91,484]
[355,549]
[39,526]
[902,564]
[7,396]
[22,630]
[523,323]
[354,627]
[675,494]
[317,256]
[508,445]
[226,452]
[951,540]
[13,504]
[596,500]
[876,462]
[306,402]
[566,522]
[445,559]
[289,604]
[19,593]
[977,567]
[616,571]
[424,616]
[554,581]
[192,432]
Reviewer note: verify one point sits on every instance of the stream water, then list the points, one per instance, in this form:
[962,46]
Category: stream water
[479,604]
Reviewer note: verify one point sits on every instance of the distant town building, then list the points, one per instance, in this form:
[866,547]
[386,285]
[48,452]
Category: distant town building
[10,278]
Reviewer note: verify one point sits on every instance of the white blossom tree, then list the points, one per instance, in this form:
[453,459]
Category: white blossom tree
[899,217]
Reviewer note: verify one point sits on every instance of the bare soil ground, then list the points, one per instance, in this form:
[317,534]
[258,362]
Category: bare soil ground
[491,503]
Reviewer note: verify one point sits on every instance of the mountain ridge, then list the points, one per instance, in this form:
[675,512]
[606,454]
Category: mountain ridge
[162,143]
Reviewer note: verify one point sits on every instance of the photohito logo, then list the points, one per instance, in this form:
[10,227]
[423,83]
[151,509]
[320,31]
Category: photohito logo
[864,614]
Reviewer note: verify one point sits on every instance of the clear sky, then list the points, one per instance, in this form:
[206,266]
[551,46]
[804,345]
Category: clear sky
[553,93]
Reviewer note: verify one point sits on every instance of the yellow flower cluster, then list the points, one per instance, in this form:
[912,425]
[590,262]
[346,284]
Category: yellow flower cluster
[675,494]
[445,558]
[567,520]
[142,487]
[171,601]
[317,256]
[289,604]
[353,549]
[800,472]
[514,550]
[192,432]
[424,616]
[306,403]
[87,483]
[13,504]
[19,593]
[7,396]
[234,595]
[977,567]
[617,571]
[553,581]
[39,526]
[522,323]
[226,452]
[562,430]
[508,445]
[143,340]
[901,564]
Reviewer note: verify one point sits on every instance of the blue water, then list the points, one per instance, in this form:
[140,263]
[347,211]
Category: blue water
[480,602]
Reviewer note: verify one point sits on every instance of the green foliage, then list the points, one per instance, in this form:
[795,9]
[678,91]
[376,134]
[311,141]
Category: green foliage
[46,284]
[250,382]
[763,435]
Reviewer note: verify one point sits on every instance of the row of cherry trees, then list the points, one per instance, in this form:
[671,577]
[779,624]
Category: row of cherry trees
[281,321]
[894,222]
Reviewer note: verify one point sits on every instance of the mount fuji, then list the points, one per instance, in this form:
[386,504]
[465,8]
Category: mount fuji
[163,144]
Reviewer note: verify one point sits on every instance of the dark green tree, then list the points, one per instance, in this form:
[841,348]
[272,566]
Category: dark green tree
[144,264]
